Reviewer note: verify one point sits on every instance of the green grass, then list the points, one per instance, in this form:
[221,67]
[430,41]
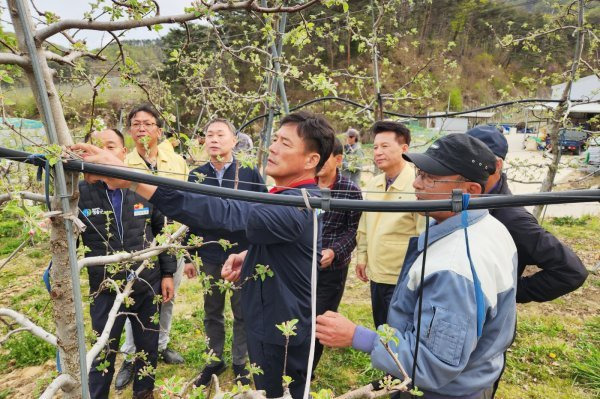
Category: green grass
[586,370]
[24,349]
[555,355]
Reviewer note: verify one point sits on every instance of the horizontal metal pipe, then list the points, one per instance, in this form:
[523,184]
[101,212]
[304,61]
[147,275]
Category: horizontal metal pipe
[497,201]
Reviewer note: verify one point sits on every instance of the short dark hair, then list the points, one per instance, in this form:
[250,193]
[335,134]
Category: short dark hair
[145,108]
[88,135]
[338,147]
[318,135]
[391,126]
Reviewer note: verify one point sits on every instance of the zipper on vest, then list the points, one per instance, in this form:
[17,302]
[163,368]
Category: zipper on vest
[120,216]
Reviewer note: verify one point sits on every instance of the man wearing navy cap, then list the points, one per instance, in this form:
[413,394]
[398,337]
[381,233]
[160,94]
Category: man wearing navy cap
[469,286]
[561,270]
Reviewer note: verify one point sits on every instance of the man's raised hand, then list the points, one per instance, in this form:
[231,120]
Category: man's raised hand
[91,153]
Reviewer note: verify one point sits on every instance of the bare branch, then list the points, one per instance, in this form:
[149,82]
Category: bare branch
[16,251]
[34,196]
[590,67]
[7,336]
[5,198]
[71,57]
[29,325]
[134,256]
[8,46]
[121,52]
[102,340]
[14,59]
[63,381]
[70,38]
[65,24]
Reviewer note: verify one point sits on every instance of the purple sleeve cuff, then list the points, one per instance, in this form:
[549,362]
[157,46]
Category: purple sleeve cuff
[364,339]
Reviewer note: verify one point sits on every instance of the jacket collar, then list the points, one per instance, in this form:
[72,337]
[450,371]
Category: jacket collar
[225,166]
[407,172]
[136,158]
[298,184]
[501,186]
[449,226]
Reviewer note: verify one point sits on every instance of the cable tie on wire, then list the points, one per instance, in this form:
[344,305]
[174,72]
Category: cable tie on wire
[465,201]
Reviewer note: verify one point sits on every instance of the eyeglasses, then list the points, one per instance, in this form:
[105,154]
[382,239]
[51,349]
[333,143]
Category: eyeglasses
[429,180]
[138,126]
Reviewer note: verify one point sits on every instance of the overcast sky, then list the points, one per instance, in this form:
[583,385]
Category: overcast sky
[70,9]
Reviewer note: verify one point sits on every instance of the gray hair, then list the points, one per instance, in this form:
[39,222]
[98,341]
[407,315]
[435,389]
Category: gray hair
[351,132]
[222,120]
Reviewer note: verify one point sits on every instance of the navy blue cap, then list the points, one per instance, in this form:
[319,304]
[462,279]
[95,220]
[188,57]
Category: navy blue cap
[492,137]
[456,154]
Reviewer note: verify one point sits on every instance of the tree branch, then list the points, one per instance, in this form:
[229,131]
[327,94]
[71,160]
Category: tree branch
[71,57]
[14,59]
[102,340]
[29,325]
[8,46]
[65,24]
[114,311]
[134,256]
[63,381]
[5,198]
[7,336]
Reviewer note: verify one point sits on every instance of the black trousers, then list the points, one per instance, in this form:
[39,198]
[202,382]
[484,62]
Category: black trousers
[270,359]
[330,289]
[145,340]
[381,296]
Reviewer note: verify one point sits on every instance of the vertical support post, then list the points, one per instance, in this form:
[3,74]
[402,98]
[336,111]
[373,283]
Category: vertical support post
[61,191]
[375,57]
[277,84]
[277,51]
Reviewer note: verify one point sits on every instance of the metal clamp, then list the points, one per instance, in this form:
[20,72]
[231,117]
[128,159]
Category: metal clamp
[326,199]
[457,200]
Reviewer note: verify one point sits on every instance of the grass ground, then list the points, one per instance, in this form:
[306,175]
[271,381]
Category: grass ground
[556,353]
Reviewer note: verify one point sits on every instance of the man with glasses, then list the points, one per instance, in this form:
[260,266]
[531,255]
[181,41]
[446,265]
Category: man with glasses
[145,127]
[281,237]
[468,311]
[382,238]
[132,224]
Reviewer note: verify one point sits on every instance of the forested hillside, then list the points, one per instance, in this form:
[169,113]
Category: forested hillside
[432,55]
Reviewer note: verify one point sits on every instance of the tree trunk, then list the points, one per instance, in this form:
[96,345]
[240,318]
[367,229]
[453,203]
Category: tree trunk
[62,289]
[560,114]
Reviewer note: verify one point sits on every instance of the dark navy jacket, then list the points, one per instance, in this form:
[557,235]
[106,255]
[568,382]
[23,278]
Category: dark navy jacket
[280,237]
[140,222]
[249,180]
[562,271]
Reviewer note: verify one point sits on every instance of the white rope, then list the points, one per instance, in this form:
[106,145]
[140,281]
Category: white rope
[313,295]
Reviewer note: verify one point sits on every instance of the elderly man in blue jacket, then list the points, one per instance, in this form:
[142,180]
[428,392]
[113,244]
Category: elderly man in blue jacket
[467,316]
[279,236]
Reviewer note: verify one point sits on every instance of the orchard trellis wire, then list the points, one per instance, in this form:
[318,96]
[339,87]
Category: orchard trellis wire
[276,84]
[458,202]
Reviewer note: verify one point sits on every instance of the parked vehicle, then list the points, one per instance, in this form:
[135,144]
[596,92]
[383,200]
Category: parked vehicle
[571,140]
